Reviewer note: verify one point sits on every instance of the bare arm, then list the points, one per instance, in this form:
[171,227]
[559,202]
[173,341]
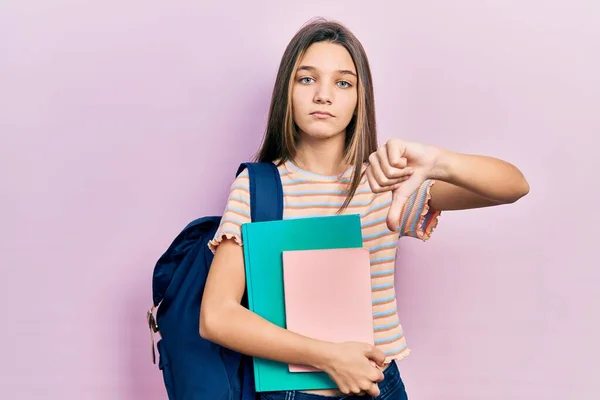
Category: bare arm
[471,181]
[225,321]
[462,181]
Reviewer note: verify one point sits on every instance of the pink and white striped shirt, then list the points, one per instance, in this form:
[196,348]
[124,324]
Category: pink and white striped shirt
[307,194]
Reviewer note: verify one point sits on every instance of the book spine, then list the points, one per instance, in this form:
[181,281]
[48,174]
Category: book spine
[246,240]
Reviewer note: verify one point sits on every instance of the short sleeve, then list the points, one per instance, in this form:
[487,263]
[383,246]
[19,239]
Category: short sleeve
[237,212]
[418,220]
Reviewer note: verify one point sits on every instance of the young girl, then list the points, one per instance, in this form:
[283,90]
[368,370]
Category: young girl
[321,134]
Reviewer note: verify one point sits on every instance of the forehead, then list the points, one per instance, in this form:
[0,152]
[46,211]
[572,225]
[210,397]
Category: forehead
[328,57]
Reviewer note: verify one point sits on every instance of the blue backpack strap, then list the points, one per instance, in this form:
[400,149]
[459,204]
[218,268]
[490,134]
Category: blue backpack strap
[266,204]
[266,192]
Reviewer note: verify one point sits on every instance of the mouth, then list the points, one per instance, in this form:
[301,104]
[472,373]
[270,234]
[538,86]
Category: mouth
[321,114]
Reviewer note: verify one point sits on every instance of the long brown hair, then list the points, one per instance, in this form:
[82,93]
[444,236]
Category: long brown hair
[281,136]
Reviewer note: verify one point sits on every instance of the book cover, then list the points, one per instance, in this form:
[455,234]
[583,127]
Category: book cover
[264,244]
[328,295]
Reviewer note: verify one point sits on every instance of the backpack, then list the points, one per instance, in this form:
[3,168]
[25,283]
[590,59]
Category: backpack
[194,368]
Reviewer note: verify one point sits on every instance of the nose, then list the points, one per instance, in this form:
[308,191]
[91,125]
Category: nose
[323,94]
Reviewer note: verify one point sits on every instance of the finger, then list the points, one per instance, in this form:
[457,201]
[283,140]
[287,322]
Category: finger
[395,153]
[375,188]
[399,198]
[366,386]
[378,180]
[374,390]
[391,171]
[390,184]
[399,183]
[372,171]
[375,354]
[377,375]
[395,211]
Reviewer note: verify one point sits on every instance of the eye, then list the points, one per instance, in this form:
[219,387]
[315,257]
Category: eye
[344,84]
[306,80]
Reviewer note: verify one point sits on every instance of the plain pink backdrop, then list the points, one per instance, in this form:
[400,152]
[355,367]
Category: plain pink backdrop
[120,121]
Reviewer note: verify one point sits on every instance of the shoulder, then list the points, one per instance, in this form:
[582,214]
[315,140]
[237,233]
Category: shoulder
[241,183]
[242,179]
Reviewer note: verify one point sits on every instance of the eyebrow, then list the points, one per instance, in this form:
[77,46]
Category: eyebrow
[339,71]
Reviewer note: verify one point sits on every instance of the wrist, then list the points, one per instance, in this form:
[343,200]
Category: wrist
[322,354]
[443,166]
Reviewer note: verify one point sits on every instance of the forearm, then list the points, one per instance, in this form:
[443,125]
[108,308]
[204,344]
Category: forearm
[488,177]
[239,329]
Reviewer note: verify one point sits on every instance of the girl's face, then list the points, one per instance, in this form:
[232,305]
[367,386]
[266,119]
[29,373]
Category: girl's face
[324,93]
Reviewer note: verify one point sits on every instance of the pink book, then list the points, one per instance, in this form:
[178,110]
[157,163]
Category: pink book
[328,295]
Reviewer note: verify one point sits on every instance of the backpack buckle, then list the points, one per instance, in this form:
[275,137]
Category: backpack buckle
[153,326]
[151,320]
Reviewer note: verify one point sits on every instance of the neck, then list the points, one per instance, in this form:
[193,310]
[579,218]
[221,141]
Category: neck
[321,156]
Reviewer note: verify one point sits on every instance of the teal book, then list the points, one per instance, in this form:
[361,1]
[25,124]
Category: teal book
[264,244]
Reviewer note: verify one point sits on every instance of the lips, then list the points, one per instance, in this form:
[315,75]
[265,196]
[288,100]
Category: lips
[321,114]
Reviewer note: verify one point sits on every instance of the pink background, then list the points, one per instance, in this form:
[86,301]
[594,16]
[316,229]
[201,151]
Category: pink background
[121,121]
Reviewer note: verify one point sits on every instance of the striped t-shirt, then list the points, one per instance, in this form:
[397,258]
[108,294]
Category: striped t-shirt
[306,194]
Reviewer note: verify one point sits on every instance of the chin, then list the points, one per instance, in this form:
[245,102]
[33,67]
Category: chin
[321,134]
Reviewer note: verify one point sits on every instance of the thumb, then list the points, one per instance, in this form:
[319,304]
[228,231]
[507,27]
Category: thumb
[376,355]
[395,211]
[400,196]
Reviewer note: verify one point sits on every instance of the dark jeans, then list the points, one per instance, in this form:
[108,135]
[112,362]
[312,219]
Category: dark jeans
[391,388]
